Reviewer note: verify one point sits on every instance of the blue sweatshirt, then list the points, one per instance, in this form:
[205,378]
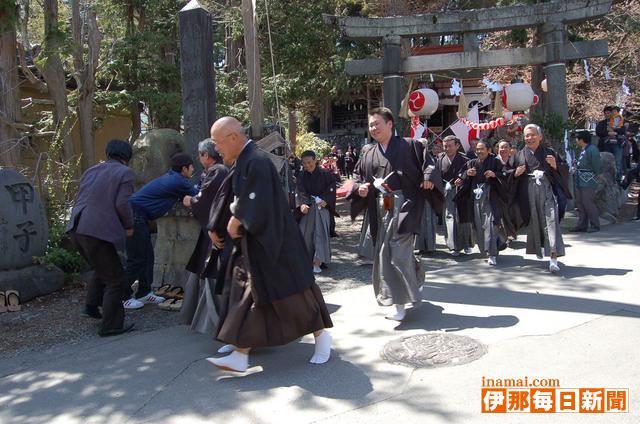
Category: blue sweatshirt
[156,197]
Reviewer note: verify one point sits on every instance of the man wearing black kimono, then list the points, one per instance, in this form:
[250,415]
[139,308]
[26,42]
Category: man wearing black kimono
[315,203]
[483,183]
[425,242]
[540,179]
[457,227]
[387,182]
[198,309]
[269,297]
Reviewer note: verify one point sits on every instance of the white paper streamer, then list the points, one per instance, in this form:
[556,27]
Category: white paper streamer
[586,70]
[456,88]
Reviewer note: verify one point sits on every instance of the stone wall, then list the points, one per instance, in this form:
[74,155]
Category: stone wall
[177,235]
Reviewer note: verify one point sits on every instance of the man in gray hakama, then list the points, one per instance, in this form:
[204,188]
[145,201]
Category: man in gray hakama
[426,240]
[365,242]
[315,203]
[540,177]
[198,308]
[483,181]
[387,182]
[457,227]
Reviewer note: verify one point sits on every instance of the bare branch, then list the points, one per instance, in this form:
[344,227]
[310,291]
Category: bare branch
[40,85]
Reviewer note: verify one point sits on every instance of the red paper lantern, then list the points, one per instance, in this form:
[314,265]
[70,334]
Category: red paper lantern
[493,124]
[423,102]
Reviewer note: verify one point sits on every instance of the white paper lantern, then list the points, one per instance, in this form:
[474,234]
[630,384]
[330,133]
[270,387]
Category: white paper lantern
[543,85]
[423,102]
[518,97]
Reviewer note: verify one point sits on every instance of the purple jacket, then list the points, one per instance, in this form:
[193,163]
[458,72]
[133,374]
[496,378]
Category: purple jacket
[102,208]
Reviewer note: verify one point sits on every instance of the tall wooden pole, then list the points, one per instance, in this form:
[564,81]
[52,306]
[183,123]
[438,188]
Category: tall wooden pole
[252,57]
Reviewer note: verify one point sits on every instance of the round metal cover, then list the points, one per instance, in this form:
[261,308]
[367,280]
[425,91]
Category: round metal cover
[433,350]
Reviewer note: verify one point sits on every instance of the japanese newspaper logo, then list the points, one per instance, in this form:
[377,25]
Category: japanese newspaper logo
[545,396]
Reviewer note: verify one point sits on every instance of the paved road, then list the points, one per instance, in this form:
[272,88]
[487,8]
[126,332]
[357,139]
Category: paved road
[581,327]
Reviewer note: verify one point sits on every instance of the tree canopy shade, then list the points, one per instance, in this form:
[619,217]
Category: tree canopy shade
[138,65]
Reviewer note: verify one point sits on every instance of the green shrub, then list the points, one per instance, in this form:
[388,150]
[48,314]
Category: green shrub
[61,253]
[310,141]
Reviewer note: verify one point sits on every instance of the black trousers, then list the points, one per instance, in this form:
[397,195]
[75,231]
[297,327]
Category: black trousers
[105,288]
[140,258]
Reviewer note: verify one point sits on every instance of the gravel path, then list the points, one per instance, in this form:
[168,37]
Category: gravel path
[50,320]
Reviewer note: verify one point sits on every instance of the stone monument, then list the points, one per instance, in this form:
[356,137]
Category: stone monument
[198,76]
[23,236]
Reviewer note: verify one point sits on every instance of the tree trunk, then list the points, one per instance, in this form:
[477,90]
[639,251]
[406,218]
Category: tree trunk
[53,73]
[252,56]
[9,98]
[325,115]
[85,74]
[233,47]
[136,122]
[293,129]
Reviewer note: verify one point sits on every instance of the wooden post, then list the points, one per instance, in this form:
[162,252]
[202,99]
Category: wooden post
[9,107]
[293,129]
[252,58]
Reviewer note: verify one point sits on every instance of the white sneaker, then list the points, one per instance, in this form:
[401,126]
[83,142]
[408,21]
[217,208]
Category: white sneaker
[492,260]
[317,269]
[132,304]
[151,298]
[468,250]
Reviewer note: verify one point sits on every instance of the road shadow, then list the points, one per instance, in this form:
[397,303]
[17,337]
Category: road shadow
[431,317]
[506,298]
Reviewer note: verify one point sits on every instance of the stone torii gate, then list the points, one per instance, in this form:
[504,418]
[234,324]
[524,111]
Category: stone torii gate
[551,18]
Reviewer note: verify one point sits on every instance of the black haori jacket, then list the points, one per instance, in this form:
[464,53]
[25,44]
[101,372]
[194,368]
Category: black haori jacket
[279,263]
[464,197]
[407,159]
[320,183]
[201,204]
[559,179]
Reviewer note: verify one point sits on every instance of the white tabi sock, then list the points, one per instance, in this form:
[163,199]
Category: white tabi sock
[236,361]
[399,315]
[228,348]
[323,348]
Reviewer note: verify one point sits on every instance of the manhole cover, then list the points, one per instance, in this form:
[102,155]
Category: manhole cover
[433,350]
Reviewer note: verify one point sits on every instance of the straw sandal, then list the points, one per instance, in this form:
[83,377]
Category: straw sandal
[163,289]
[13,301]
[175,293]
[176,305]
[166,305]
[3,302]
